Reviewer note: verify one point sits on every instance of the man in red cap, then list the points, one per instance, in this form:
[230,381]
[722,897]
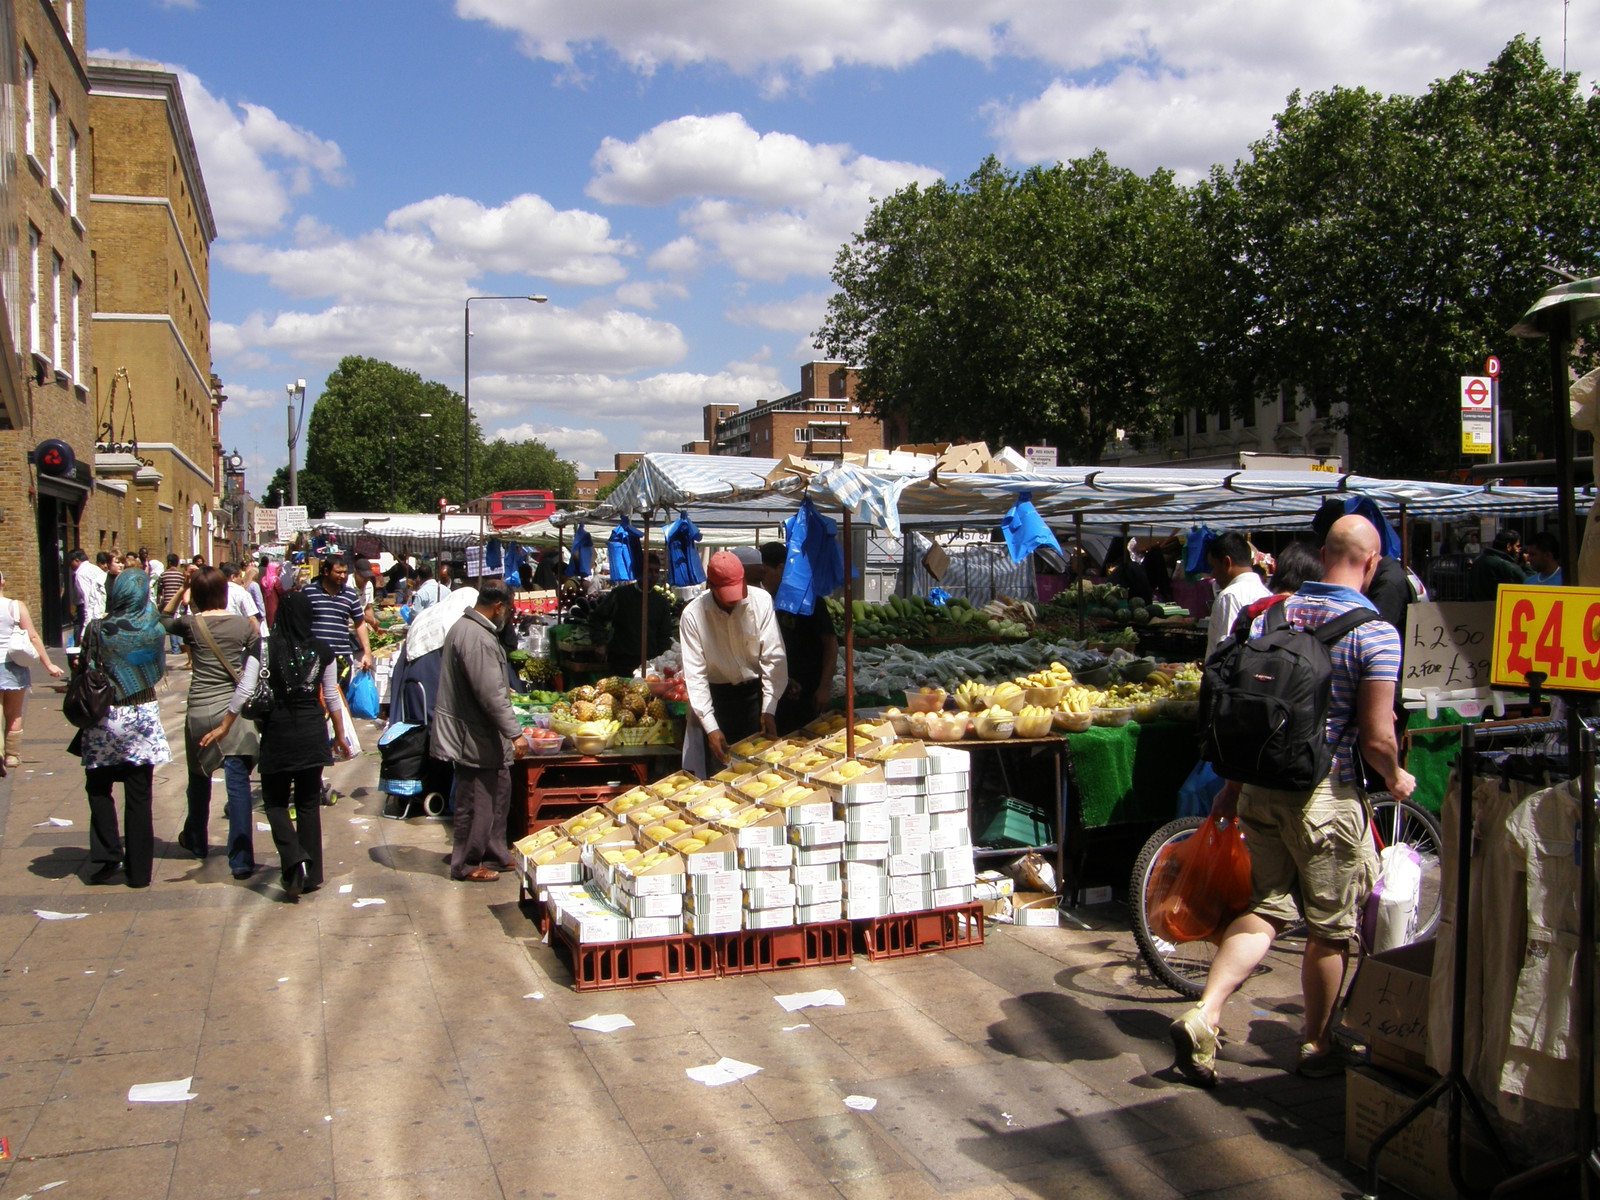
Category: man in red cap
[734,666]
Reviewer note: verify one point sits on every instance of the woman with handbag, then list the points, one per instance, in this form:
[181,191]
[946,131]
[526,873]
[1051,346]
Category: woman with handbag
[221,641]
[127,744]
[22,649]
[302,679]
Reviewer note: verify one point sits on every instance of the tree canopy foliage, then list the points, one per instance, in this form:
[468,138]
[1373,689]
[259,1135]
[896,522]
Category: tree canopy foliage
[1369,251]
[369,448]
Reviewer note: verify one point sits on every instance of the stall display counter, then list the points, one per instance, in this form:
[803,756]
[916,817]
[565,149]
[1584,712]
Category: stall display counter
[550,788]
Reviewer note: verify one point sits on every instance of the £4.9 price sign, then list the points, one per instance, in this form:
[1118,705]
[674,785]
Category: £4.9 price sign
[1554,630]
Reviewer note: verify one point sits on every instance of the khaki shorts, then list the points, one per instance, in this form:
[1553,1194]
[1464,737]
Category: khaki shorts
[1310,857]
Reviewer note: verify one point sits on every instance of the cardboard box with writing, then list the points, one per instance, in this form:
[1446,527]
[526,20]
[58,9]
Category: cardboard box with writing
[1416,1159]
[1388,1008]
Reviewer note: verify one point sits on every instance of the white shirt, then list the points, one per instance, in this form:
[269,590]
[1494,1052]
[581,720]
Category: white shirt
[240,601]
[721,647]
[1239,595]
[92,589]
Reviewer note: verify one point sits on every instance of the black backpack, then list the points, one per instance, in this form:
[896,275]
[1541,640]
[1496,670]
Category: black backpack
[1264,701]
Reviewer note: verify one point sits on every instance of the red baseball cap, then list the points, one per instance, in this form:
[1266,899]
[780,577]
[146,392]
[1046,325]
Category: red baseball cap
[725,577]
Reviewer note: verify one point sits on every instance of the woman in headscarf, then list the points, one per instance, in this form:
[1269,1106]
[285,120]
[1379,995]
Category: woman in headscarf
[16,677]
[269,590]
[129,645]
[294,739]
[220,641]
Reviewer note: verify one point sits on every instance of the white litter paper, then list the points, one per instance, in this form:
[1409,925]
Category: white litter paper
[44,914]
[533,996]
[171,1091]
[263,827]
[820,998]
[366,900]
[285,979]
[61,822]
[602,1023]
[860,1103]
[724,1070]
[346,888]
[792,1028]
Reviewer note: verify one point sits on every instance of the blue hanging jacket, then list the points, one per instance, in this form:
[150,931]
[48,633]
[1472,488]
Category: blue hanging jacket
[492,557]
[513,566]
[683,560]
[1194,552]
[626,549]
[581,564]
[1025,530]
[814,564]
[1362,506]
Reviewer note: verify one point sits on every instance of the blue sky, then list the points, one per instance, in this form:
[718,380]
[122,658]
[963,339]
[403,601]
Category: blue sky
[676,175]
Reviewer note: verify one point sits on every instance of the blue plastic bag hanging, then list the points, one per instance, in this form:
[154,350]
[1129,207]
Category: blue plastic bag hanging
[813,566]
[683,560]
[1025,530]
[1194,552]
[581,564]
[625,550]
[938,596]
[363,698]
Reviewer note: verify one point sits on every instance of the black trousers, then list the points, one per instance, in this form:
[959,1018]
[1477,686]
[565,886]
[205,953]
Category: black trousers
[737,707]
[483,803]
[298,840]
[134,846]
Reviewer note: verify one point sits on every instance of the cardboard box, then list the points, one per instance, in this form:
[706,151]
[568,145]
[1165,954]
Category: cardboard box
[1036,908]
[954,838]
[865,908]
[875,828]
[766,857]
[587,923]
[654,927]
[1416,1159]
[757,825]
[906,803]
[872,852]
[768,918]
[808,894]
[810,914]
[664,878]
[864,870]
[910,844]
[957,782]
[818,856]
[669,785]
[909,864]
[791,465]
[769,878]
[781,895]
[1388,1008]
[715,883]
[822,833]
[950,897]
[720,854]
[708,906]
[704,924]
[956,875]
[867,889]
[810,874]
[649,906]
[964,458]
[910,824]
[946,802]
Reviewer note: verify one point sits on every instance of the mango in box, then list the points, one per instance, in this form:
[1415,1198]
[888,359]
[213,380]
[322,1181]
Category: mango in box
[826,724]
[548,853]
[650,813]
[760,785]
[785,797]
[537,840]
[621,854]
[779,751]
[716,806]
[672,784]
[843,773]
[753,744]
[630,800]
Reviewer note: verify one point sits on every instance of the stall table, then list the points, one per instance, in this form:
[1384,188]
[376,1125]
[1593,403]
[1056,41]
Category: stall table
[549,788]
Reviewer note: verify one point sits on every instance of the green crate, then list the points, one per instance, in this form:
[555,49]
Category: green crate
[1016,824]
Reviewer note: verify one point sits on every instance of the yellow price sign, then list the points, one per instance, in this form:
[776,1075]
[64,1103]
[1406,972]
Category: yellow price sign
[1554,630]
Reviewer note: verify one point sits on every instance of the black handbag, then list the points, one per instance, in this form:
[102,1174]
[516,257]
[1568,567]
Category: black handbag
[90,691]
[258,704]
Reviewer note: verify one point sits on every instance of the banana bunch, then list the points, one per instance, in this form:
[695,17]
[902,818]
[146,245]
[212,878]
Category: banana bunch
[996,713]
[1006,692]
[970,694]
[1079,699]
[1158,679]
[1055,675]
[1033,710]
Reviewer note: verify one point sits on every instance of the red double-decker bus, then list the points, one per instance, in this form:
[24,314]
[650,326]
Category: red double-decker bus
[507,510]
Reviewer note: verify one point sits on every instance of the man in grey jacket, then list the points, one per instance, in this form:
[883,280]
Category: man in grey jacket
[475,728]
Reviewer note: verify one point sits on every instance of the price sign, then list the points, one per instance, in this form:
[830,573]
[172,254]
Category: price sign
[1555,630]
[1447,646]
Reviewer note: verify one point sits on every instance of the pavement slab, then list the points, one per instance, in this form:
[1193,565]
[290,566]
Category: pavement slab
[421,1049]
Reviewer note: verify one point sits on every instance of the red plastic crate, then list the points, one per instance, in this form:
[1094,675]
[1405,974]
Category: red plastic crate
[754,950]
[640,963]
[923,932]
[551,806]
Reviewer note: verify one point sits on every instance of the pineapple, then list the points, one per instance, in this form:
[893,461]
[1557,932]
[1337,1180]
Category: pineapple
[656,710]
[632,703]
[560,710]
[628,718]
[585,692]
[583,710]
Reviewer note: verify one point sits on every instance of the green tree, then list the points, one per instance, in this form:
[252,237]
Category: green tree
[313,490]
[503,466]
[1048,306]
[1373,249]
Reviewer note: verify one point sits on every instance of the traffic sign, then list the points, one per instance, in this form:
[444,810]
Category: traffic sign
[1477,393]
[1040,456]
[1491,367]
[292,518]
[1554,630]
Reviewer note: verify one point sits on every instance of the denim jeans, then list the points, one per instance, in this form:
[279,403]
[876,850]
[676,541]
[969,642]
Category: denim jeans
[241,825]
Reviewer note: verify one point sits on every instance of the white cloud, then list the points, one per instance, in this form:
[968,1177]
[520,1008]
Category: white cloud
[771,205]
[244,398]
[648,293]
[602,396]
[526,235]
[253,164]
[681,256]
[804,313]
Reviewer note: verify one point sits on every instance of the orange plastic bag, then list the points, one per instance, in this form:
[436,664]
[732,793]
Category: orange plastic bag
[1199,884]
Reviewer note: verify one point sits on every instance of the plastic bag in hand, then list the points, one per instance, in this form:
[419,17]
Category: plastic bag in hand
[1199,884]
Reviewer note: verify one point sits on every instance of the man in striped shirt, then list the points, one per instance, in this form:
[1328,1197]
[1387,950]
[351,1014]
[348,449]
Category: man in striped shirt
[336,610]
[1311,854]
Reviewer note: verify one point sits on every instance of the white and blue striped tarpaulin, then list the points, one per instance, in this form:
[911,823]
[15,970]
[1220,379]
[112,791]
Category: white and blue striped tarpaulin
[732,491]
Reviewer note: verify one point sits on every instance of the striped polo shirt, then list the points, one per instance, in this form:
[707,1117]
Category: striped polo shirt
[333,616]
[1368,652]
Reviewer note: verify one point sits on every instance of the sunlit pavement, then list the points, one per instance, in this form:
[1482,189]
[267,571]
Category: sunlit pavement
[420,1047]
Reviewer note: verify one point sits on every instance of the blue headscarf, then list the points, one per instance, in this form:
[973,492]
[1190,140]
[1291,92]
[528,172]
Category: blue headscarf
[132,644]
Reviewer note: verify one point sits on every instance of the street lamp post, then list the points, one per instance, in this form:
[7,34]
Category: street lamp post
[297,389]
[466,390]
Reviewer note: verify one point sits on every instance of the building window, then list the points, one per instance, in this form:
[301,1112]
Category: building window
[1199,421]
[30,68]
[1249,418]
[50,151]
[72,169]
[1289,409]
[35,328]
[1225,419]
[75,354]
[800,435]
[1179,420]
[55,308]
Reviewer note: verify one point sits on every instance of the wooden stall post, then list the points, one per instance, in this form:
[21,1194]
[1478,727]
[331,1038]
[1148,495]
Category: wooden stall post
[644,597]
[1405,536]
[1078,554]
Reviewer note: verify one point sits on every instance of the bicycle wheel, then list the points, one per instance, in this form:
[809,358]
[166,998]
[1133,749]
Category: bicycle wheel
[1408,822]
[1183,967]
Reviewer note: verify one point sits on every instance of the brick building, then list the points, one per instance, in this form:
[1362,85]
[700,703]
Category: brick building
[160,406]
[585,490]
[48,282]
[821,420]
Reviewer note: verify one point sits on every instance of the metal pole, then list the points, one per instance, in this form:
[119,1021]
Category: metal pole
[1566,489]
[849,640]
[644,599]
[294,482]
[466,405]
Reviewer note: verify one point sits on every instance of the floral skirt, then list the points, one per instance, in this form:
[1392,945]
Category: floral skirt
[130,734]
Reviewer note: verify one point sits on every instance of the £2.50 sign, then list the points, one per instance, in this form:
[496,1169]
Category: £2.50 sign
[1553,630]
